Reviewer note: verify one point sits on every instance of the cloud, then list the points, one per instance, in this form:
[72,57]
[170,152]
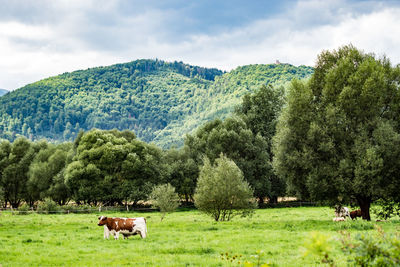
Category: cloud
[43,37]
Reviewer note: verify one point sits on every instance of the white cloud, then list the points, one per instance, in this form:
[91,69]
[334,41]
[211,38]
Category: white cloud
[82,34]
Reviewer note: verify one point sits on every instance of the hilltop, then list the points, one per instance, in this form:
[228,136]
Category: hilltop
[3,92]
[160,101]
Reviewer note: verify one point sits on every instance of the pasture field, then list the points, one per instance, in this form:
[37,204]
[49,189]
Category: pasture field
[184,238]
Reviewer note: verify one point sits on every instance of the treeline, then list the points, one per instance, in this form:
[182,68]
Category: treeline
[157,100]
[114,167]
[333,138]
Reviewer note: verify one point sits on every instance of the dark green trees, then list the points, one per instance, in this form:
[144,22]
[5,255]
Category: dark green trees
[15,160]
[233,138]
[260,112]
[338,139]
[112,167]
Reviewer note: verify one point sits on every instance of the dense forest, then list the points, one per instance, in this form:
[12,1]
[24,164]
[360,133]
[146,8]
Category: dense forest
[3,92]
[159,101]
[333,138]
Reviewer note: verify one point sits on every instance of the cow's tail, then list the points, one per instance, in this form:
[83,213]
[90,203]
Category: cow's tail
[145,224]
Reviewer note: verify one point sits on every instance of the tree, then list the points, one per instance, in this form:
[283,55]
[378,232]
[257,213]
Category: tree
[182,172]
[260,112]
[165,198]
[222,191]
[339,137]
[15,159]
[46,174]
[107,161]
[233,138]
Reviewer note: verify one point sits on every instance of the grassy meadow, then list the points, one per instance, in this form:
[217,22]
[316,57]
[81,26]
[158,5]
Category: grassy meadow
[184,238]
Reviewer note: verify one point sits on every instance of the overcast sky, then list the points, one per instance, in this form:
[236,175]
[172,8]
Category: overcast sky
[42,38]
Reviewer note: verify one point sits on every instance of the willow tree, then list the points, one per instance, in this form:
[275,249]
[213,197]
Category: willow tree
[338,139]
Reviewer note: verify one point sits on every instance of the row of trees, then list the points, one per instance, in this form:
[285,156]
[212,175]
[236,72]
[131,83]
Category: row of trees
[114,167]
[337,139]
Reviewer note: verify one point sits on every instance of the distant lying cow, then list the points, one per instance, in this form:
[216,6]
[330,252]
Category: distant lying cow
[355,214]
[342,212]
[338,219]
[125,226]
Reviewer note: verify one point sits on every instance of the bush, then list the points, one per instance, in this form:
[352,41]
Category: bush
[23,209]
[165,198]
[69,208]
[221,190]
[83,208]
[48,206]
[384,209]
[380,249]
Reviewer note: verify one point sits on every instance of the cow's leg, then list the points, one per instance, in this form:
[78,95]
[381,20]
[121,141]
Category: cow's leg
[116,235]
[106,232]
[142,233]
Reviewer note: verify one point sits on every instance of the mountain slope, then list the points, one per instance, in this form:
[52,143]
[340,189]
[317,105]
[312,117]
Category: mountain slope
[159,101]
[3,92]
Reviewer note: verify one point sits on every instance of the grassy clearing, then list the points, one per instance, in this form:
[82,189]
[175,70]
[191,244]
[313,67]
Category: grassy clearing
[186,238]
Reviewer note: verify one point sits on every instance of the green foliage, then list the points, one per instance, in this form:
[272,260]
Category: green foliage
[15,160]
[260,111]
[159,101]
[46,173]
[233,138]
[48,206]
[23,209]
[221,190]
[109,165]
[165,198]
[319,245]
[381,249]
[339,136]
[385,209]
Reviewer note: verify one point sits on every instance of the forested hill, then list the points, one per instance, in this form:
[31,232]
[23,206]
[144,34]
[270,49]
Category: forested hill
[159,101]
[3,92]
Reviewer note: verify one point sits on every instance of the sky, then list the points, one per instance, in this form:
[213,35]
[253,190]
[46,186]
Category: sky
[43,38]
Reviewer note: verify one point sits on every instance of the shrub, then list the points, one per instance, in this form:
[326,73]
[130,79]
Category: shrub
[384,209]
[23,209]
[69,208]
[165,198]
[221,190]
[381,249]
[48,206]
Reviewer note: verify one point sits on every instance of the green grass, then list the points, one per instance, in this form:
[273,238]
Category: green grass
[186,238]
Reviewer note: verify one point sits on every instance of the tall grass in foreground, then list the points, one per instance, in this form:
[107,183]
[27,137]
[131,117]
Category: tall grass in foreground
[186,238]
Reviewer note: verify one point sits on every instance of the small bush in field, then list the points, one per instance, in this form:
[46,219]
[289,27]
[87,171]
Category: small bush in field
[222,191]
[48,206]
[23,209]
[165,198]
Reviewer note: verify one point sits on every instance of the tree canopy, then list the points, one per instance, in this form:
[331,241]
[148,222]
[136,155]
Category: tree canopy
[338,138]
[159,101]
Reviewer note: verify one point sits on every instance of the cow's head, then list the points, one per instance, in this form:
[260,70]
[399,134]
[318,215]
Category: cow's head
[102,220]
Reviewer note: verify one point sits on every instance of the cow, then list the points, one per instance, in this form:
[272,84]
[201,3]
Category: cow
[338,219]
[125,226]
[355,214]
[342,212]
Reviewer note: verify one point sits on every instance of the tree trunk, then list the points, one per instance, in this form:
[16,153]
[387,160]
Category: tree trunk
[273,200]
[365,204]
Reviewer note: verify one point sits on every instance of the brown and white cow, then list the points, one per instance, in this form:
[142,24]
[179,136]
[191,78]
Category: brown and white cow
[125,226]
